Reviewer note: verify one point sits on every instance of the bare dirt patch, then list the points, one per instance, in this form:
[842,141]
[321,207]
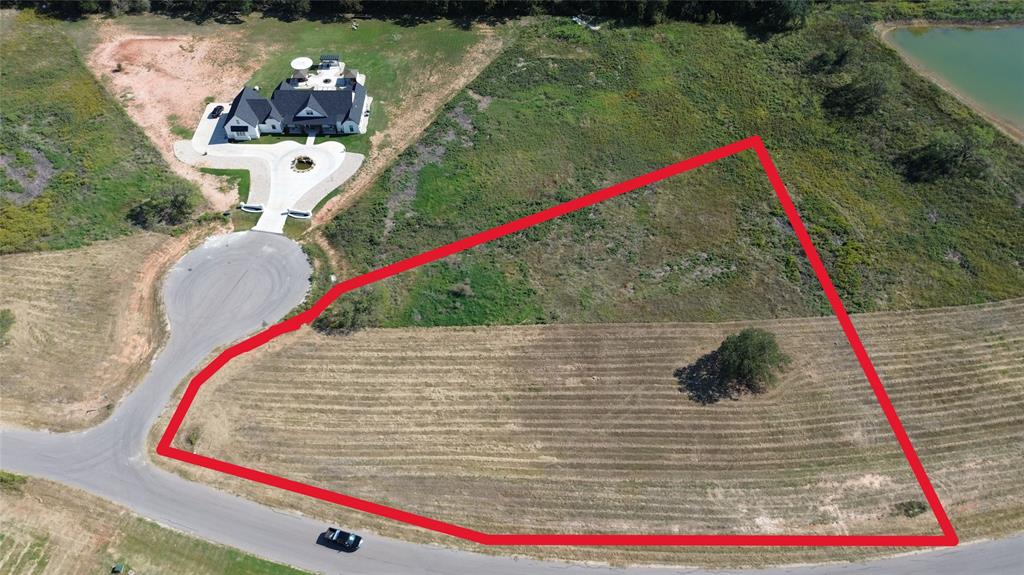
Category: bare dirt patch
[32,179]
[582,429]
[163,80]
[87,323]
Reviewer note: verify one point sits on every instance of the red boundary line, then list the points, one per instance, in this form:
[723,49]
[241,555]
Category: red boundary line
[947,538]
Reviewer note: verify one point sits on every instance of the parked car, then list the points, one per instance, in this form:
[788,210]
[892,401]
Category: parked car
[341,540]
[216,112]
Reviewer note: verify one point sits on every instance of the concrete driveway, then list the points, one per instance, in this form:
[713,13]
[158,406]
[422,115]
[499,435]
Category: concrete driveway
[274,183]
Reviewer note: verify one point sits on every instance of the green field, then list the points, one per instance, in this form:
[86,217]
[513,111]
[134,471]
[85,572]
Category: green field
[564,111]
[74,163]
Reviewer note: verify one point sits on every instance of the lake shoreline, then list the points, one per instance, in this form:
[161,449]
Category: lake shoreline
[883,29]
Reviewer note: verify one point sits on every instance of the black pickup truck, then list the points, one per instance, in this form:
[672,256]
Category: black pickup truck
[341,540]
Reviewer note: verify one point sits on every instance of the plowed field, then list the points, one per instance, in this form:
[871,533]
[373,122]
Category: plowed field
[582,428]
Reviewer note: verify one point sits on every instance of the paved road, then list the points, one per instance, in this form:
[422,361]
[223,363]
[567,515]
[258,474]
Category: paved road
[230,287]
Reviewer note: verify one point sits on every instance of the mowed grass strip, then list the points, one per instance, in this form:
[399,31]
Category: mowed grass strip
[52,529]
[83,330]
[582,428]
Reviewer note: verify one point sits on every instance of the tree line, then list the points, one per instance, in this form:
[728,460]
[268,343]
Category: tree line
[766,14]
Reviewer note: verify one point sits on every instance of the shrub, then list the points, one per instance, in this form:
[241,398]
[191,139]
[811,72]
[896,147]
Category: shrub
[6,321]
[862,95]
[348,314]
[11,483]
[170,209]
[910,508]
[750,359]
[462,289]
[945,155]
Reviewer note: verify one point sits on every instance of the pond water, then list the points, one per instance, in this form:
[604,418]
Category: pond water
[984,64]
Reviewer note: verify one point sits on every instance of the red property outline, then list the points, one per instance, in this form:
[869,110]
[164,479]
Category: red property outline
[947,538]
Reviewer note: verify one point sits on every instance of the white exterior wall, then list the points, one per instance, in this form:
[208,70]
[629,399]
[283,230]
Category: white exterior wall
[365,119]
[271,127]
[251,133]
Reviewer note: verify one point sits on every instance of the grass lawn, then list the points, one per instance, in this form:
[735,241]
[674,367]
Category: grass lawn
[75,163]
[35,538]
[293,227]
[562,112]
[391,55]
[237,178]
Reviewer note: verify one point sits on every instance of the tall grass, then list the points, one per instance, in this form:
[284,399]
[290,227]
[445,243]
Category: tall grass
[103,163]
[569,114]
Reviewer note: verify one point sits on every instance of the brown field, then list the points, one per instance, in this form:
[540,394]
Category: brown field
[86,324]
[583,429]
[57,530]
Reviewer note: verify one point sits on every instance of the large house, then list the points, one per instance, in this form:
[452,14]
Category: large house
[327,99]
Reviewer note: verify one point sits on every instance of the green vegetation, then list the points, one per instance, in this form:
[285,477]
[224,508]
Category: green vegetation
[747,362]
[166,210]
[293,228]
[558,115]
[275,138]
[77,163]
[771,14]
[149,548]
[938,10]
[750,359]
[322,277]
[237,178]
[6,321]
[177,128]
[910,508]
[10,482]
[947,155]
[390,54]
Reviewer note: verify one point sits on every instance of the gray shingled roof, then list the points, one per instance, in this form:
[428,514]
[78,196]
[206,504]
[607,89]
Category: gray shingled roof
[334,105]
[251,107]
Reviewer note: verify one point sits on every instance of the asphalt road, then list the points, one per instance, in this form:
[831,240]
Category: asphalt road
[232,286]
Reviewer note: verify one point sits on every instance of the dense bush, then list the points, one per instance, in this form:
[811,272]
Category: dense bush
[746,362]
[862,95]
[348,314]
[945,155]
[171,209]
[766,14]
[910,508]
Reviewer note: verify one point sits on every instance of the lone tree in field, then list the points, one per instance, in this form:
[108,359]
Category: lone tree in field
[746,362]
